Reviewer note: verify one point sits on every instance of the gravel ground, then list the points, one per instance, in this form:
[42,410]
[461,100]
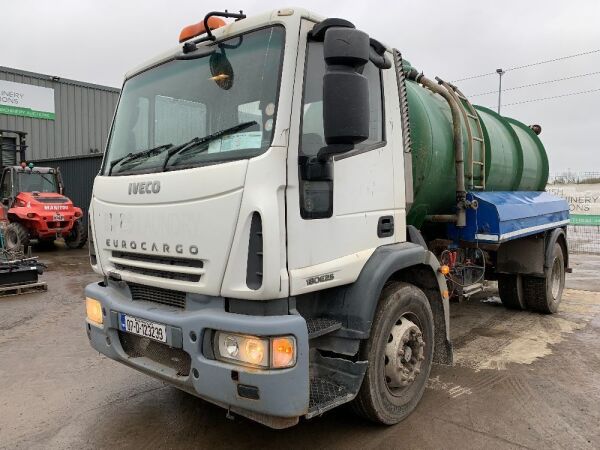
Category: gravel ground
[519,380]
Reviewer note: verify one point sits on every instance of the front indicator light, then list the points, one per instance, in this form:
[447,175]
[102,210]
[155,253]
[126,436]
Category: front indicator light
[283,352]
[94,310]
[275,353]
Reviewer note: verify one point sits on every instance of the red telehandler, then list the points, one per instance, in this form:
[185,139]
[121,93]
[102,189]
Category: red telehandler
[33,204]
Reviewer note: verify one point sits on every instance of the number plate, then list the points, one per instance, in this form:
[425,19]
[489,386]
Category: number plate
[143,327]
[58,217]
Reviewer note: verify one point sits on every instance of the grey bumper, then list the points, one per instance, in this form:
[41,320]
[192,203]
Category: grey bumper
[282,393]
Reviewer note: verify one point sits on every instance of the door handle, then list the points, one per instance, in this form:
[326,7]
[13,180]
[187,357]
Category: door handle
[385,226]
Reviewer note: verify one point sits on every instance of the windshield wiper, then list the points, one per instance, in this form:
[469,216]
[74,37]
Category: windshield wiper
[195,142]
[134,156]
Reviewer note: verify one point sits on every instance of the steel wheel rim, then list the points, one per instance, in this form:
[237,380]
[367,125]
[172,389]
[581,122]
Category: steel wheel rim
[404,355]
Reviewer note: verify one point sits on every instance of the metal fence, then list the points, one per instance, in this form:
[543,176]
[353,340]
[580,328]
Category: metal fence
[574,178]
[584,239]
[582,191]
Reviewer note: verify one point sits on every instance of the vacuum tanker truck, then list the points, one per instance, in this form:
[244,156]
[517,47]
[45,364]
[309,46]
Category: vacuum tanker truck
[286,208]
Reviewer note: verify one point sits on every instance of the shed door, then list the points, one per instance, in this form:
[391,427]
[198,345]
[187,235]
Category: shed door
[9,155]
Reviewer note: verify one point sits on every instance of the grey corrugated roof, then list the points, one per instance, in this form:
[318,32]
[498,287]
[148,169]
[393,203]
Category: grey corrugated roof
[57,79]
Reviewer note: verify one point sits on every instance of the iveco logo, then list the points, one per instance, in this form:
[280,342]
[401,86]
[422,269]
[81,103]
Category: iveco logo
[144,187]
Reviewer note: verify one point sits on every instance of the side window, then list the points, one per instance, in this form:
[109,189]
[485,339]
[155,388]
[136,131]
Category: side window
[312,138]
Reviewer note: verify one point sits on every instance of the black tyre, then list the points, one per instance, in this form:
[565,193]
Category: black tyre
[510,288]
[400,352]
[78,236]
[15,236]
[543,294]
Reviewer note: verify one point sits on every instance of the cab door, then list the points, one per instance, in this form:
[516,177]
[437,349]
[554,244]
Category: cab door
[334,226]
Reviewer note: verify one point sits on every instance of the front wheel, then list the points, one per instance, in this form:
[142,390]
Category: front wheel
[78,235]
[400,353]
[16,236]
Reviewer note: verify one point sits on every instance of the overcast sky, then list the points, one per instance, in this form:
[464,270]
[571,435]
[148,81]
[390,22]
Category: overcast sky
[98,41]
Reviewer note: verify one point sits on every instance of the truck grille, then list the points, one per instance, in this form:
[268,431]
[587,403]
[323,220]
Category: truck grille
[159,273]
[138,347]
[181,269]
[157,295]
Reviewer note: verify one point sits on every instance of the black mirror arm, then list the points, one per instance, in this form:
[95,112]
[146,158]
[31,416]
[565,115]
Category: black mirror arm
[381,61]
[334,149]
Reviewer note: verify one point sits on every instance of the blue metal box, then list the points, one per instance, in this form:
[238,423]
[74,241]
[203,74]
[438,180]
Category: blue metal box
[502,216]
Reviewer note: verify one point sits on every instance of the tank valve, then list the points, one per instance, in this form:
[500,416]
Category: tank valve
[537,129]
[473,204]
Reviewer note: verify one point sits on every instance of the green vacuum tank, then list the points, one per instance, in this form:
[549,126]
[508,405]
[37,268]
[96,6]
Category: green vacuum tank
[515,159]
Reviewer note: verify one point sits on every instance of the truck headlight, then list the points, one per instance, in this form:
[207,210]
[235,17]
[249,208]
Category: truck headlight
[276,352]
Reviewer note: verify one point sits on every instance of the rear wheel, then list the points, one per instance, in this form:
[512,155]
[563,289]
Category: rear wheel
[510,288]
[543,294]
[400,352]
[78,235]
[16,236]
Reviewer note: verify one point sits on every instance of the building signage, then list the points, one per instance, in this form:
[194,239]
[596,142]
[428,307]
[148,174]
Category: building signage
[18,99]
[583,200]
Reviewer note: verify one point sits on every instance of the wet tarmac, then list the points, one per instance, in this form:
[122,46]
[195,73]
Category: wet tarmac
[520,380]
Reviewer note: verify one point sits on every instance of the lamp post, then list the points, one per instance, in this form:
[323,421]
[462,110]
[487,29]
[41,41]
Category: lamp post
[500,72]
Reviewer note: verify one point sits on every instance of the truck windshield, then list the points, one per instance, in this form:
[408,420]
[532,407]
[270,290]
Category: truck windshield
[36,182]
[192,99]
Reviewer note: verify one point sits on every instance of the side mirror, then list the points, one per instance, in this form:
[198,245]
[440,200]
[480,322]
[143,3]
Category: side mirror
[345,90]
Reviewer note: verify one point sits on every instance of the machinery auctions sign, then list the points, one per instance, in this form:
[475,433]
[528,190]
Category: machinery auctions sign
[18,99]
[583,200]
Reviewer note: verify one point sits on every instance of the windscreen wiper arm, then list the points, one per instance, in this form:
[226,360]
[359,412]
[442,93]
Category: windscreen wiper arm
[49,180]
[133,156]
[192,143]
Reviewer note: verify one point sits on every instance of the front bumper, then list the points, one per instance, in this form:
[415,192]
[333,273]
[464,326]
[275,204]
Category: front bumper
[282,393]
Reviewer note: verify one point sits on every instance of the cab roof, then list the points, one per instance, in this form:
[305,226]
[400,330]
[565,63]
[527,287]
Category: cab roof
[277,16]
